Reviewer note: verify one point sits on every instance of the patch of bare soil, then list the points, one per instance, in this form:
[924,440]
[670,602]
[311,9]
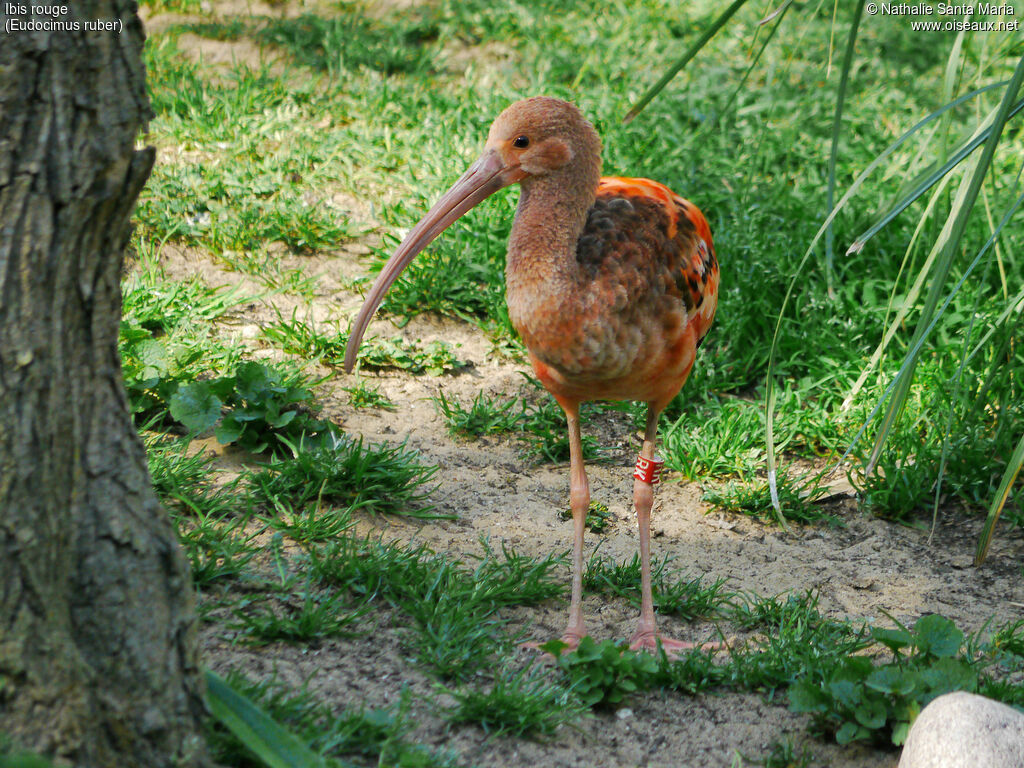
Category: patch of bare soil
[862,571]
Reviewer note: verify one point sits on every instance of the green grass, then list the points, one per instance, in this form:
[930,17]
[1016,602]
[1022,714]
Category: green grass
[518,703]
[453,608]
[672,595]
[310,524]
[307,618]
[538,420]
[798,497]
[455,630]
[337,469]
[360,123]
[597,519]
[218,546]
[376,354]
[484,416]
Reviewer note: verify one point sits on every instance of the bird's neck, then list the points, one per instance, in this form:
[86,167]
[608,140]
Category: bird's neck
[549,220]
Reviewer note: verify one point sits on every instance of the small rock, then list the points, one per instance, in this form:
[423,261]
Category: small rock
[963,730]
[624,714]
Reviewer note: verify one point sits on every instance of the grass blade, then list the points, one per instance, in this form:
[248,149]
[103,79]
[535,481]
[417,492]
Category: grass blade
[857,182]
[959,214]
[1015,304]
[837,124]
[777,15]
[909,301]
[275,746]
[1009,476]
[684,59]
[928,178]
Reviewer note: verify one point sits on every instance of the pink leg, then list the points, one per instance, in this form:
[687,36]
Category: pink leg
[647,636]
[579,501]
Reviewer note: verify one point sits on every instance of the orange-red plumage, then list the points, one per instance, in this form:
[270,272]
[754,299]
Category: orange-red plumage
[649,296]
[611,282]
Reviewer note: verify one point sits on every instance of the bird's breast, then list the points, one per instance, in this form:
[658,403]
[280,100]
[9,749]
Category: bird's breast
[624,322]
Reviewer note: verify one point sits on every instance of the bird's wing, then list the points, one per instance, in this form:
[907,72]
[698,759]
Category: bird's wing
[644,244]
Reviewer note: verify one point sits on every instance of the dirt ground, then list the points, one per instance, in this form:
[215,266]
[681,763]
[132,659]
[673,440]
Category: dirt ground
[862,571]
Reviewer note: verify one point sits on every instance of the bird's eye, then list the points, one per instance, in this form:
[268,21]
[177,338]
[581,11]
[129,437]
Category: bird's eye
[521,142]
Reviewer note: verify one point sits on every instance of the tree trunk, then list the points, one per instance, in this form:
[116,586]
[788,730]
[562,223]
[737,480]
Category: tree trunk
[98,654]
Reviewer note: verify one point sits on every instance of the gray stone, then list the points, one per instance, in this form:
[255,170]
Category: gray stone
[963,730]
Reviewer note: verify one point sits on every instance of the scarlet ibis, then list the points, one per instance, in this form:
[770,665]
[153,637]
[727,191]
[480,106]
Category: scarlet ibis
[611,283]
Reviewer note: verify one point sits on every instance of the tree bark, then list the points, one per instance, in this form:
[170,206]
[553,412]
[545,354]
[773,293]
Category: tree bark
[98,651]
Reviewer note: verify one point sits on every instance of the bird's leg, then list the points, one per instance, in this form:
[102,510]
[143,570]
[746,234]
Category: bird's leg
[579,501]
[647,636]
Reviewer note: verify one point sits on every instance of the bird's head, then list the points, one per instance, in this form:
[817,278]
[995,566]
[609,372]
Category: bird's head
[532,139]
[536,137]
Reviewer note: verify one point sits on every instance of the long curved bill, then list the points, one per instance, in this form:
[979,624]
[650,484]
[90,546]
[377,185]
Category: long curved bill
[485,177]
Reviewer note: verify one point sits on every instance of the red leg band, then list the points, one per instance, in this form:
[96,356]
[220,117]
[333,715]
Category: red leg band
[648,470]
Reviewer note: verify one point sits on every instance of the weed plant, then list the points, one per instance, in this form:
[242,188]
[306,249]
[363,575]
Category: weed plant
[858,700]
[518,703]
[166,339]
[362,395]
[335,468]
[257,408]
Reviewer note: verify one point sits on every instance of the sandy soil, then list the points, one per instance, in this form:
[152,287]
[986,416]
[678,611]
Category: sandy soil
[861,571]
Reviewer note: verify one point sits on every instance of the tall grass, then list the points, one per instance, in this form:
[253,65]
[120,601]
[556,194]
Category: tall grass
[948,243]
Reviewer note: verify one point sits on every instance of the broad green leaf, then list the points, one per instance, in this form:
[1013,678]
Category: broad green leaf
[850,731]
[871,713]
[899,733]
[230,429]
[846,692]
[891,679]
[195,406]
[24,760]
[155,358]
[938,635]
[252,379]
[947,675]
[893,639]
[804,696]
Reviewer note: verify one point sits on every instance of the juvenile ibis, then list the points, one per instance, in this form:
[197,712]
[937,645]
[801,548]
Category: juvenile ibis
[611,283]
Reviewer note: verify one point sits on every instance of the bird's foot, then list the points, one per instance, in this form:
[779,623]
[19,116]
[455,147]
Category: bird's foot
[571,638]
[650,640]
